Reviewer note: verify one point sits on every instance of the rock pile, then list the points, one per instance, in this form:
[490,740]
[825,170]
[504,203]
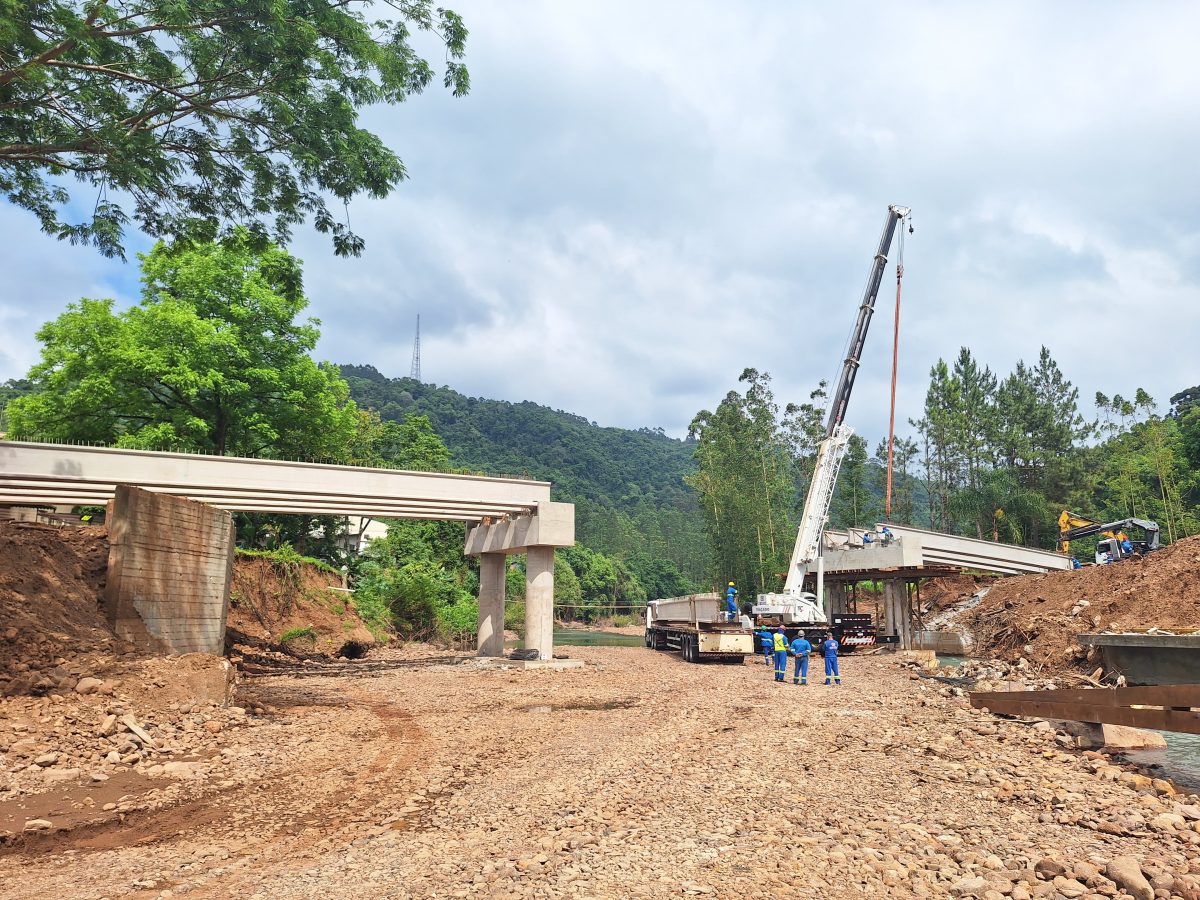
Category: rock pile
[636,776]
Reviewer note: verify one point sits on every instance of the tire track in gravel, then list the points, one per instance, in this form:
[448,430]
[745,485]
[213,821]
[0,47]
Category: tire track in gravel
[311,812]
[277,820]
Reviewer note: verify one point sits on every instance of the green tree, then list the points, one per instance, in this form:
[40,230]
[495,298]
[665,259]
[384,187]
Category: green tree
[746,483]
[568,594]
[854,504]
[905,452]
[973,421]
[206,113]
[939,428]
[212,360]
[659,577]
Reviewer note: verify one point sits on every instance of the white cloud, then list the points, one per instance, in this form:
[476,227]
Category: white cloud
[639,200]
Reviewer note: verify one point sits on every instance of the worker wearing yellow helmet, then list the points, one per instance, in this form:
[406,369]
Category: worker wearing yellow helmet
[731,607]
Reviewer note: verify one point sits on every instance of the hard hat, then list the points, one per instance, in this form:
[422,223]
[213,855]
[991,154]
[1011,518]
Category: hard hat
[731,584]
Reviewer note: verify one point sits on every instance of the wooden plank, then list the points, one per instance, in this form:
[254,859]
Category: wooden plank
[1163,707]
[1179,695]
[1160,719]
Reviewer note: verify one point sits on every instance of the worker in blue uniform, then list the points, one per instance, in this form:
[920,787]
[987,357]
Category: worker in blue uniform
[829,647]
[1075,563]
[768,645]
[1126,546]
[780,645]
[731,607]
[800,649]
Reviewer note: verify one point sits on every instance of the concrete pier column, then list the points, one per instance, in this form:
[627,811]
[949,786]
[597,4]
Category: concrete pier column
[836,598]
[898,612]
[539,601]
[491,604]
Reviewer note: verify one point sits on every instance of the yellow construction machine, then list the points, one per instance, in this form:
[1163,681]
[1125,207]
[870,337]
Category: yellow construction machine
[1113,542]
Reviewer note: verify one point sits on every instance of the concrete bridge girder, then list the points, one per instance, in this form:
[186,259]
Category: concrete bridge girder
[55,474]
[513,515]
[916,547]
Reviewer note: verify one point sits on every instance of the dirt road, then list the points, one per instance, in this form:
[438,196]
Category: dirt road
[636,776]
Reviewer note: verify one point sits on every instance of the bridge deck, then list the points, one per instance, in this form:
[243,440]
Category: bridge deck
[64,475]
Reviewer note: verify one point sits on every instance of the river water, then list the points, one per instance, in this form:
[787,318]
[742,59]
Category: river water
[1180,762]
[570,637]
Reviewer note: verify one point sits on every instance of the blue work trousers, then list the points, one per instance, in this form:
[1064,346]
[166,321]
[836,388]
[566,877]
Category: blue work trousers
[780,665]
[767,652]
[801,674]
[831,668]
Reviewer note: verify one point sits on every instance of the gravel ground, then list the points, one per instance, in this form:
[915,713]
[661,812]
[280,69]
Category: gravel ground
[636,776]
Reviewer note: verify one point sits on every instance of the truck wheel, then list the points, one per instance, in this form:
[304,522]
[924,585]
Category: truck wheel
[649,639]
[689,648]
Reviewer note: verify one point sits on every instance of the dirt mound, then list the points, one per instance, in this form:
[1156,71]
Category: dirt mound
[939,593]
[53,629]
[295,606]
[52,621]
[1045,612]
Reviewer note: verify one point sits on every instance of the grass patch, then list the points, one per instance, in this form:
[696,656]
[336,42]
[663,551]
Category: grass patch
[287,555]
[293,634]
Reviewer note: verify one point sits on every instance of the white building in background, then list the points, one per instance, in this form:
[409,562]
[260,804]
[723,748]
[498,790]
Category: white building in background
[361,531]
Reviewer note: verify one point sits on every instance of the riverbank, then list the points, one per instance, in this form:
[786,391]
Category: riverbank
[635,776]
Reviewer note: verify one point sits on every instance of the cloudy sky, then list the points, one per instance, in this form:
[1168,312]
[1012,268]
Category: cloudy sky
[639,200]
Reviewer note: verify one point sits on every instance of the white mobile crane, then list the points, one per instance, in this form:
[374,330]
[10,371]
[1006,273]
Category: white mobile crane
[795,606]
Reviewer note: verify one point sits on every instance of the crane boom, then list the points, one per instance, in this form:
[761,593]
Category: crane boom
[793,605]
[841,395]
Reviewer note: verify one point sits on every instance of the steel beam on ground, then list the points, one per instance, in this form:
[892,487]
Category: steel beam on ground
[1171,707]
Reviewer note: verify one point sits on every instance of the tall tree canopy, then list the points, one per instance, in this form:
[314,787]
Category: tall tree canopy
[207,112]
[746,483]
[212,360]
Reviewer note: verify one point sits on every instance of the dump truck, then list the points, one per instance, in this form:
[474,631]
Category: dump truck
[698,628]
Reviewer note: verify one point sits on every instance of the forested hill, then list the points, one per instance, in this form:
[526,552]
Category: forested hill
[612,465]
[627,485]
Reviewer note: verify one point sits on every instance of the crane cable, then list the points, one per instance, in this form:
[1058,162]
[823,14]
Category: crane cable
[887,500]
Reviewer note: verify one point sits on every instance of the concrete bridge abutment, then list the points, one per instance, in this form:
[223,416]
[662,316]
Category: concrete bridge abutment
[170,564]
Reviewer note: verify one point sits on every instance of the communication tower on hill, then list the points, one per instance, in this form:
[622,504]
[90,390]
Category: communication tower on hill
[415,373]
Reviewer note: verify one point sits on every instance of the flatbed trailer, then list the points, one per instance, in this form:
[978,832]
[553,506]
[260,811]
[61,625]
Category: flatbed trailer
[695,626]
